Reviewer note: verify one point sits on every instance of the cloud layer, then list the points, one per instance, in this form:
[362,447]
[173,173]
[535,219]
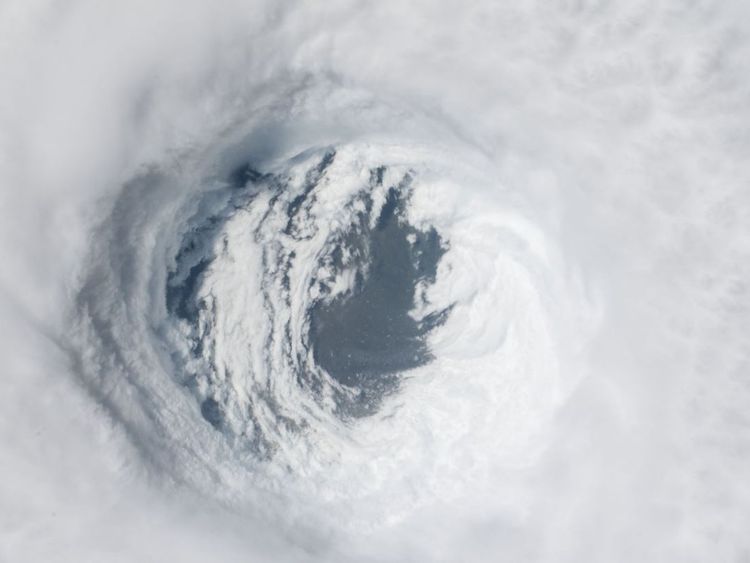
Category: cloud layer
[585,161]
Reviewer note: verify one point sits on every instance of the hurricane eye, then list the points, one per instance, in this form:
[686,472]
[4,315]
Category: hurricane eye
[328,323]
[355,290]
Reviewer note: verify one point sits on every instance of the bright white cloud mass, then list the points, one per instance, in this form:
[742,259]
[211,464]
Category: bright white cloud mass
[375,281]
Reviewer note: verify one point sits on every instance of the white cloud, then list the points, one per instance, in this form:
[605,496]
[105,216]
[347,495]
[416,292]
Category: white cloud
[617,129]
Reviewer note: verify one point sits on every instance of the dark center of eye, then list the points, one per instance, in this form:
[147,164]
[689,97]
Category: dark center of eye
[365,338]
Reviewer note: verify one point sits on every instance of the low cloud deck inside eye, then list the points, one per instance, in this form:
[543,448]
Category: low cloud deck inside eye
[363,339]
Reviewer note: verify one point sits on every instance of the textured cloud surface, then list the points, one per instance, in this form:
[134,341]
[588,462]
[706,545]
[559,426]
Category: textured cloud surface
[391,281]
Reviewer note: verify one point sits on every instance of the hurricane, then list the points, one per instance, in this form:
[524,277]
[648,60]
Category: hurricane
[349,281]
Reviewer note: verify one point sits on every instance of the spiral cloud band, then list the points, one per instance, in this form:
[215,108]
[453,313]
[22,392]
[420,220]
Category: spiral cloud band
[374,282]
